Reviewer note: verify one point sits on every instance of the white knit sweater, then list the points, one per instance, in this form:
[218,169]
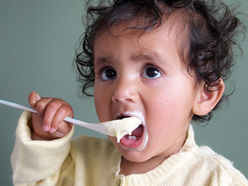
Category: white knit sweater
[96,162]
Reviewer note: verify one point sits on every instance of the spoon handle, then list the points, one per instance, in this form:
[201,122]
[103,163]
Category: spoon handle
[95,127]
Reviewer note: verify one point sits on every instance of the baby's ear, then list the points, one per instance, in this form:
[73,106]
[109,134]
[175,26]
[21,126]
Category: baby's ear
[207,100]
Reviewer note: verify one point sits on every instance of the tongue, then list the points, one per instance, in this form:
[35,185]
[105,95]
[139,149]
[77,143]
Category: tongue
[138,131]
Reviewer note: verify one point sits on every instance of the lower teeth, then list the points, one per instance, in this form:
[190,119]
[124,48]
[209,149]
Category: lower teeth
[132,137]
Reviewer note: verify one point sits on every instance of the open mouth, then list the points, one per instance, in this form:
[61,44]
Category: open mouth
[135,141]
[136,134]
[138,138]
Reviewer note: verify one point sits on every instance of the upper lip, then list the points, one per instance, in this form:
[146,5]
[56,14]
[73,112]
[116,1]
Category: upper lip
[121,116]
[131,114]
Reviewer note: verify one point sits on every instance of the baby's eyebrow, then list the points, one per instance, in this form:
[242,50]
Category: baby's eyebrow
[141,57]
[148,57]
[101,60]
[152,57]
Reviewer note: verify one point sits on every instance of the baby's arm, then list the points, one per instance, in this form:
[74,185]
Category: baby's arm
[39,153]
[48,123]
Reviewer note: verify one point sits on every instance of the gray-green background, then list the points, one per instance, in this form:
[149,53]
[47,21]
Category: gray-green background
[37,45]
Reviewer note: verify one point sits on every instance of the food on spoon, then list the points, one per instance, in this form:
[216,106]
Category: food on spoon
[120,128]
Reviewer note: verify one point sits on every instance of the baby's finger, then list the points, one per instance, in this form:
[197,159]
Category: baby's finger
[33,98]
[41,107]
[58,122]
[49,114]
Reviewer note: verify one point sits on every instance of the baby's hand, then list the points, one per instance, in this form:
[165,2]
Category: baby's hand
[48,123]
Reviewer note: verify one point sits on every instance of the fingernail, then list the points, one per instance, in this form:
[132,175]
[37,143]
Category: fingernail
[45,128]
[52,130]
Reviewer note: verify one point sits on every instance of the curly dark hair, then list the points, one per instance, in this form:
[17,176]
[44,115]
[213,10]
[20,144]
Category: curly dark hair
[207,50]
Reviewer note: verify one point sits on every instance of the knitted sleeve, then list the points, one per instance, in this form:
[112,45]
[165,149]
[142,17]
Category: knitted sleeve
[33,161]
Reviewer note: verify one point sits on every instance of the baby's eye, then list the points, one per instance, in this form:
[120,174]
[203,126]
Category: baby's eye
[151,73]
[108,74]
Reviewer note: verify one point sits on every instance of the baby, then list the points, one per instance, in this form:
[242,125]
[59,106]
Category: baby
[162,61]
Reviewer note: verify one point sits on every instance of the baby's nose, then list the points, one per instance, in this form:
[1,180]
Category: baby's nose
[125,90]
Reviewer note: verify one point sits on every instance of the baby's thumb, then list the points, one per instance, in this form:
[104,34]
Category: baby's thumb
[33,98]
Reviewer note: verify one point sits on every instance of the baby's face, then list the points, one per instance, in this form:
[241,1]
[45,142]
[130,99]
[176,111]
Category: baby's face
[144,74]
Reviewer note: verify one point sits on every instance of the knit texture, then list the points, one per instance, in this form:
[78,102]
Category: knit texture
[93,161]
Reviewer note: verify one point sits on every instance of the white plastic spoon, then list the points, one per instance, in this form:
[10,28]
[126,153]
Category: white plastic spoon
[117,128]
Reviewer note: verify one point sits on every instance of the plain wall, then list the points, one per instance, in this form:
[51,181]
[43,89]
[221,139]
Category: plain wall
[37,47]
